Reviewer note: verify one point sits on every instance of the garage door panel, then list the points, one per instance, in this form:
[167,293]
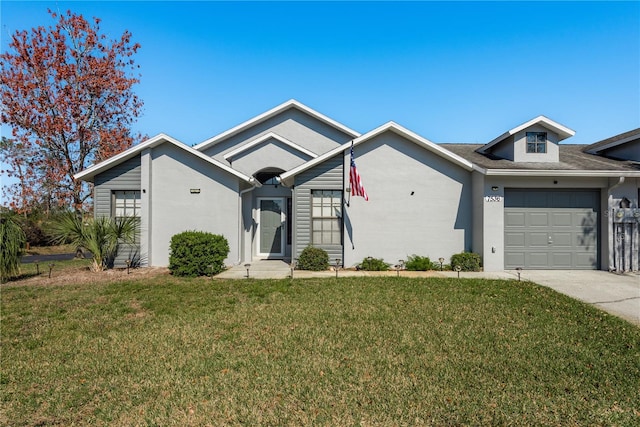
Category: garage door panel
[560,228]
[538,259]
[515,239]
[539,219]
[515,258]
[585,260]
[562,239]
[561,259]
[562,219]
[586,241]
[538,240]
[515,219]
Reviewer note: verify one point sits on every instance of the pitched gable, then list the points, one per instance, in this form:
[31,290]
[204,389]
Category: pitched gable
[89,173]
[291,121]
[533,141]
[624,146]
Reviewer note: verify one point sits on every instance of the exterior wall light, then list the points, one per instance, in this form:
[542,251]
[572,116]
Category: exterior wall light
[194,191]
[495,188]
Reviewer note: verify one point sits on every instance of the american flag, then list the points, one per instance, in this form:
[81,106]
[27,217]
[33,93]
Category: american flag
[354,180]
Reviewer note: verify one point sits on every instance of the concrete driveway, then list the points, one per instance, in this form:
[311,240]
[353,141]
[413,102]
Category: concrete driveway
[618,294]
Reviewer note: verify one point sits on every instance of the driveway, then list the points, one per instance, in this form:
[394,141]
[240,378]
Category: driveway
[618,294]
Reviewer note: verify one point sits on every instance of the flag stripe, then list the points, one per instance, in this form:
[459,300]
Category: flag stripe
[357,189]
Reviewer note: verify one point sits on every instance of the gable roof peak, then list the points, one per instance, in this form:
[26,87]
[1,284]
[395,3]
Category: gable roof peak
[292,103]
[562,131]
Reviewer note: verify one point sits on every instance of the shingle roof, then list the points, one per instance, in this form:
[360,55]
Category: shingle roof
[605,143]
[572,158]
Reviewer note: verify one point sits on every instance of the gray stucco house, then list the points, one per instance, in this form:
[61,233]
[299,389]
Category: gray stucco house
[280,181]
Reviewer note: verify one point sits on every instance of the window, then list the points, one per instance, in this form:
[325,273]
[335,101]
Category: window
[326,217]
[126,203]
[536,142]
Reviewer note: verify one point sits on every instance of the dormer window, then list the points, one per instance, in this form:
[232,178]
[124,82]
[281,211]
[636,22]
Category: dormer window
[536,142]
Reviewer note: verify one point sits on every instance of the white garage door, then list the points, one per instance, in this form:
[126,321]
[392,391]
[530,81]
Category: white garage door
[551,229]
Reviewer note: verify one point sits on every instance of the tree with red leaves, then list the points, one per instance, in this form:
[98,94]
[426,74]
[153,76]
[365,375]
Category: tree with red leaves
[67,95]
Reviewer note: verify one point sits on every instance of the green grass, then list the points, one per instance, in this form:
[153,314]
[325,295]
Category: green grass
[361,351]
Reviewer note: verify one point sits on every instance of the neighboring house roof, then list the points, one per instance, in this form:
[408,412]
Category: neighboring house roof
[562,131]
[614,141]
[387,127]
[89,173]
[573,161]
[292,103]
[267,137]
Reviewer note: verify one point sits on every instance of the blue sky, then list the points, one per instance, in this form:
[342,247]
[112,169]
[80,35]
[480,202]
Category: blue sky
[449,71]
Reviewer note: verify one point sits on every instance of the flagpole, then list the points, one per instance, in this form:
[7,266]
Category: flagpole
[350,153]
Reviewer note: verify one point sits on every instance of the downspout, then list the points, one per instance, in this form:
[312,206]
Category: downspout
[254,184]
[610,225]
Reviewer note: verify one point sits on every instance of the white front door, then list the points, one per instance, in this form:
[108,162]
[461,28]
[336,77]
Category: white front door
[271,227]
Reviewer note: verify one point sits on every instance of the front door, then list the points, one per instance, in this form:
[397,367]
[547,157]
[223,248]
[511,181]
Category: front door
[271,221]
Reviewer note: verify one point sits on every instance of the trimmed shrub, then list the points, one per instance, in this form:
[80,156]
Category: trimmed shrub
[468,261]
[197,253]
[420,263]
[373,264]
[314,259]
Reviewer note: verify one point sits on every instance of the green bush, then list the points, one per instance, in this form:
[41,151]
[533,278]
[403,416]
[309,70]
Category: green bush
[373,264]
[12,241]
[314,259]
[420,263]
[468,261]
[197,253]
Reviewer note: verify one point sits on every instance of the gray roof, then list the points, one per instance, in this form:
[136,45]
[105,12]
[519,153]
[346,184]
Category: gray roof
[571,158]
[595,147]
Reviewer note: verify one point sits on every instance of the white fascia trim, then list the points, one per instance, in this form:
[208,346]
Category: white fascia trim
[266,137]
[153,142]
[567,173]
[389,126]
[562,131]
[95,169]
[613,144]
[273,112]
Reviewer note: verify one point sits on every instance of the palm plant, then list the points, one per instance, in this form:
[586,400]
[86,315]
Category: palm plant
[100,236]
[12,240]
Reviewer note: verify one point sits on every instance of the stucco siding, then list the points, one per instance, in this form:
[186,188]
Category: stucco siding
[419,203]
[628,151]
[292,124]
[325,176]
[213,205]
[270,154]
[125,176]
[520,146]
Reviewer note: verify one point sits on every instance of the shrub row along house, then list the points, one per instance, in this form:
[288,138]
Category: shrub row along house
[281,181]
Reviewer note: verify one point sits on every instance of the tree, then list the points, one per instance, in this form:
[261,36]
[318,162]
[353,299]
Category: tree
[12,242]
[67,95]
[101,236]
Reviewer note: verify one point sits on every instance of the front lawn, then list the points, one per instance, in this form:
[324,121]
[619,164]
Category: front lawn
[352,351]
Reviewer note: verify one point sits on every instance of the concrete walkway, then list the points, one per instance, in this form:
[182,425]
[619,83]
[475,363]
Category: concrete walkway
[618,294]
